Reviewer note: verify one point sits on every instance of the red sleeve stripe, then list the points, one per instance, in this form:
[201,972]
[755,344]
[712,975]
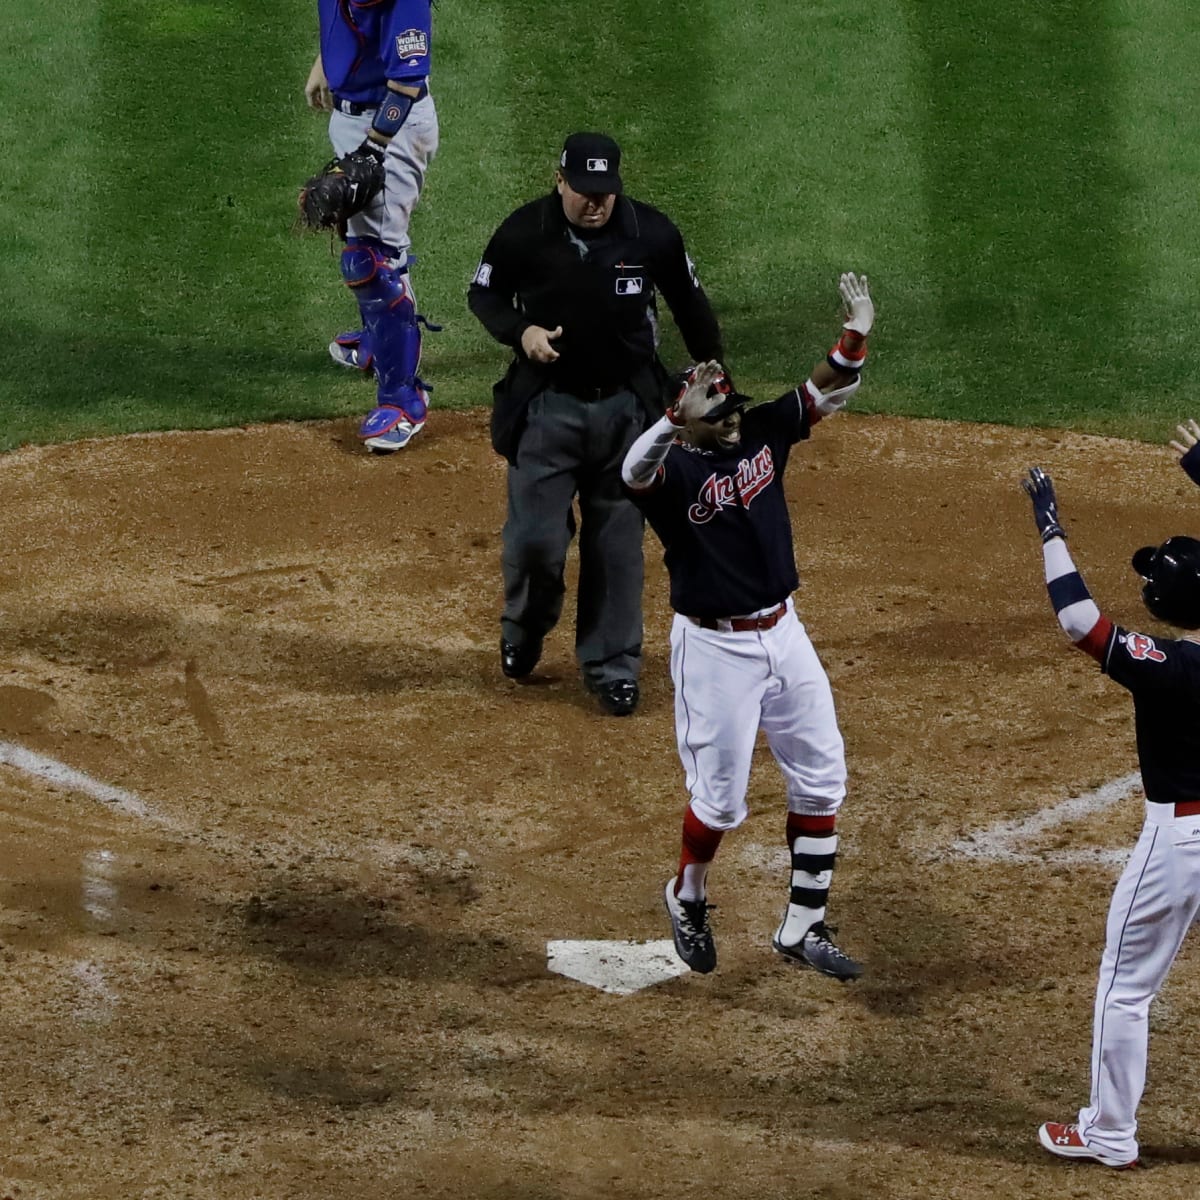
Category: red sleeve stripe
[1095,642]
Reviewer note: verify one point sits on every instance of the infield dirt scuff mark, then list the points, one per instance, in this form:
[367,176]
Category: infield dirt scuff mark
[196,696]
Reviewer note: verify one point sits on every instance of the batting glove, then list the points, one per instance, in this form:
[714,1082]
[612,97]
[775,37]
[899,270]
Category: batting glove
[860,308]
[1188,449]
[694,401]
[1040,489]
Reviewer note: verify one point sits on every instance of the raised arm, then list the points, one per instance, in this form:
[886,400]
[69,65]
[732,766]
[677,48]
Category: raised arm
[1078,614]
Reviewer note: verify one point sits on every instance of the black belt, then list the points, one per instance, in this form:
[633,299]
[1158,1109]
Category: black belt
[352,108]
[588,394]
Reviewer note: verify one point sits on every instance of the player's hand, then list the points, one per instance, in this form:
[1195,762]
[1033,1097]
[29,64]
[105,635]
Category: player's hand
[1040,489]
[694,401]
[535,341]
[316,90]
[860,308]
[1188,449]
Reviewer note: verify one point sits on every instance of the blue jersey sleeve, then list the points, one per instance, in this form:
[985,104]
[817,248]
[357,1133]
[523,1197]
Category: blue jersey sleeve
[407,36]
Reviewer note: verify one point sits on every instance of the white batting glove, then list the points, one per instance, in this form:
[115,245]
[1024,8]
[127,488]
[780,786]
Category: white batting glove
[696,401]
[860,308]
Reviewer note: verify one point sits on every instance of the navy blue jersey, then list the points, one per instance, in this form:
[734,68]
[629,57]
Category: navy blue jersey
[1164,680]
[722,516]
[364,43]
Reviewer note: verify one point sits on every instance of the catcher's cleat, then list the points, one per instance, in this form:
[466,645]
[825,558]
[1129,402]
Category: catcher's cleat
[395,438]
[689,927]
[817,949]
[347,350]
[1064,1140]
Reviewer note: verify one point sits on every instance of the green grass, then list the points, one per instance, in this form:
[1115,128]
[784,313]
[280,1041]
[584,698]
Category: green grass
[1017,178]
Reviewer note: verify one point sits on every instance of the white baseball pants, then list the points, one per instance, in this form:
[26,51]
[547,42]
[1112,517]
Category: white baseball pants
[728,686]
[1154,904]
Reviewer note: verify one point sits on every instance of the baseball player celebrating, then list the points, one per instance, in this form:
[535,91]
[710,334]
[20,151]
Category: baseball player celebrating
[373,73]
[1158,894]
[709,477]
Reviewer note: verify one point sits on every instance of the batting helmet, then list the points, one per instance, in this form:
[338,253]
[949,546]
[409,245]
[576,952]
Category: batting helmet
[725,396]
[1172,574]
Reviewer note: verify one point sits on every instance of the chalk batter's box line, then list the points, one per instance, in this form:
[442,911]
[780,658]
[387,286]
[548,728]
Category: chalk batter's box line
[1011,841]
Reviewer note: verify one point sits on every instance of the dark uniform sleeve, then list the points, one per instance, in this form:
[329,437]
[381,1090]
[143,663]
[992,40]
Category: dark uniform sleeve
[1137,662]
[675,277]
[492,296]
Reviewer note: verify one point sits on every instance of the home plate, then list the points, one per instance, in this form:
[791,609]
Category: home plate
[621,968]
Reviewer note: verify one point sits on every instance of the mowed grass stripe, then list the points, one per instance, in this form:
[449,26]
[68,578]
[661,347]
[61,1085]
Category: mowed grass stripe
[814,172]
[1028,210]
[46,109]
[190,311]
[1158,93]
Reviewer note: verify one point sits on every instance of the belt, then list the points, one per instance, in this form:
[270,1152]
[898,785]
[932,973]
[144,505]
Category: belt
[1187,808]
[352,108]
[589,395]
[745,624]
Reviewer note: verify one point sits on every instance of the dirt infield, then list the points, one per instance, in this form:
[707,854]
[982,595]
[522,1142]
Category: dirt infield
[284,934]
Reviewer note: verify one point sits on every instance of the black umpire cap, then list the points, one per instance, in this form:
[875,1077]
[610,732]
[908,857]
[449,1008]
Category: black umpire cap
[591,162]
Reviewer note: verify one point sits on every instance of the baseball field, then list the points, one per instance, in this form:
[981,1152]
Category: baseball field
[283,856]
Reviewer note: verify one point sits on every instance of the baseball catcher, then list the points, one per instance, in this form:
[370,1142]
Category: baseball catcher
[372,75]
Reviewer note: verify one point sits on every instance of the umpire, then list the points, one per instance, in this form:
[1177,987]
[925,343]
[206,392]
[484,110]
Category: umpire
[570,282]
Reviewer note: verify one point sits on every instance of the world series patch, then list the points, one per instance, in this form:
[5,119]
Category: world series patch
[412,43]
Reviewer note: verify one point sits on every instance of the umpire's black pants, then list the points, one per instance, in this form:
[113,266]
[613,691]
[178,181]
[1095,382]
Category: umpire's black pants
[572,447]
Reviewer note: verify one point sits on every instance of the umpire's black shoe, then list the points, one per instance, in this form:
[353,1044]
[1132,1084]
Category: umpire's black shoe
[517,661]
[618,697]
[816,949]
[689,927]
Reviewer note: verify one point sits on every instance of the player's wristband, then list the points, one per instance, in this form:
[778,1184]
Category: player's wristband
[393,112]
[844,358]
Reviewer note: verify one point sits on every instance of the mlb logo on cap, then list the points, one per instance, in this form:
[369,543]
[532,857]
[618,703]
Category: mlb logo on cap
[591,162]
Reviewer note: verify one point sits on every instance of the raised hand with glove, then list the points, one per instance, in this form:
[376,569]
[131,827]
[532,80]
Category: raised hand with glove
[1039,487]
[1188,449]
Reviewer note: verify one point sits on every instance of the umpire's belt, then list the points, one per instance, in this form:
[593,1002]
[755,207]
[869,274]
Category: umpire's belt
[767,620]
[352,108]
[589,395]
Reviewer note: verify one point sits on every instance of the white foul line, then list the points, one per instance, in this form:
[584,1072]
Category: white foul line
[1009,840]
[53,771]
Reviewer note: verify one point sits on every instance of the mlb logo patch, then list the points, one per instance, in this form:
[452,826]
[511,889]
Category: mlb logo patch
[597,164]
[629,285]
[483,275]
[412,43]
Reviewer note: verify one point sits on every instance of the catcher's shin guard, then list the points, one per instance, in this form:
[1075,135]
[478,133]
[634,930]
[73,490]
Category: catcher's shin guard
[393,328]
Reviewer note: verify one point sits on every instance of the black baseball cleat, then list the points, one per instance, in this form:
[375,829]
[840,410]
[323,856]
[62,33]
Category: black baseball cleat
[689,927]
[618,697]
[518,661]
[817,949]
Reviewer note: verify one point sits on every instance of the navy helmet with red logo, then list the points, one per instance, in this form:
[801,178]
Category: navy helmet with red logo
[1172,574]
[726,398]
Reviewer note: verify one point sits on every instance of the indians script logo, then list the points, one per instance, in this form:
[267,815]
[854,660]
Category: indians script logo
[1141,648]
[412,43]
[719,491]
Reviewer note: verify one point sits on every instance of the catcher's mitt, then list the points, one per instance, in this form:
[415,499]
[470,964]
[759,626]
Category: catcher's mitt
[344,187]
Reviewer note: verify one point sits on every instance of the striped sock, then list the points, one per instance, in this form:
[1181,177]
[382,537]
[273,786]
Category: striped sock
[812,842]
[699,849]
